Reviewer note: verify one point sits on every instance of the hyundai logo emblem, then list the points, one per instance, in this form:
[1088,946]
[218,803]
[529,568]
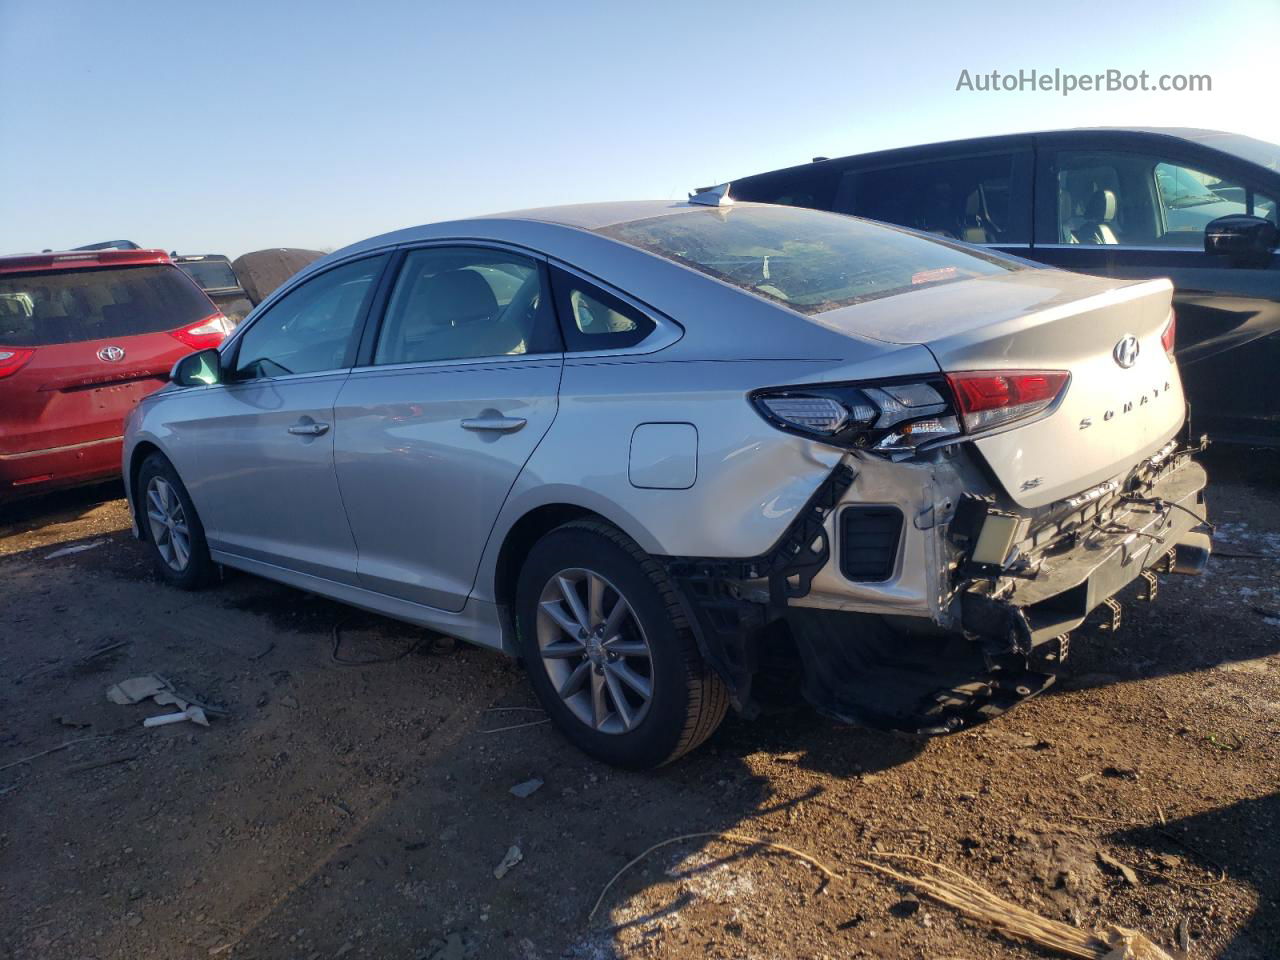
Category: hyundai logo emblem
[111,354]
[1126,351]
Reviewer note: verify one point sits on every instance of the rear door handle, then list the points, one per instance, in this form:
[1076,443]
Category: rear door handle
[499,424]
[310,429]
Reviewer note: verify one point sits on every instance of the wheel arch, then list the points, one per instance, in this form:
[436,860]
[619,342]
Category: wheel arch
[531,527]
[137,456]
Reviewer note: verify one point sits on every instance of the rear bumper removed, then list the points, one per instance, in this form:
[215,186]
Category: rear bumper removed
[994,641]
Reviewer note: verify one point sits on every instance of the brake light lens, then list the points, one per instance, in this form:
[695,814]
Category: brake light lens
[209,332]
[995,398]
[892,419]
[1169,336]
[13,359]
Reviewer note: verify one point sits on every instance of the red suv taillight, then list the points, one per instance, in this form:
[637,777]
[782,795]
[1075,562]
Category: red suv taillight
[1169,336]
[209,332]
[994,398]
[13,359]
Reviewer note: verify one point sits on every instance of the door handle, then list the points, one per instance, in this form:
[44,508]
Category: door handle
[311,429]
[499,424]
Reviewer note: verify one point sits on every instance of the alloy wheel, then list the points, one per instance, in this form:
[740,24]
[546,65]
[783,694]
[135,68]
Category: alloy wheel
[595,651]
[168,523]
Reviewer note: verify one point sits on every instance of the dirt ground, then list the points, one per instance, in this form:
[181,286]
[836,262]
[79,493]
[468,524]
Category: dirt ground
[360,811]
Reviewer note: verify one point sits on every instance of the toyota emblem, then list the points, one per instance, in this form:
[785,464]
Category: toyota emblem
[1126,351]
[111,354]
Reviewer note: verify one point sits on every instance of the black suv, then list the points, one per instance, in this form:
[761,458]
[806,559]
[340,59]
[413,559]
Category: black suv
[1197,206]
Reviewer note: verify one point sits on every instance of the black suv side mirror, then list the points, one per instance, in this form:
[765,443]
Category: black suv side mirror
[200,369]
[1240,237]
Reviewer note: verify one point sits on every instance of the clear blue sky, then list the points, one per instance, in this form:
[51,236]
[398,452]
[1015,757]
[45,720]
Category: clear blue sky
[230,126]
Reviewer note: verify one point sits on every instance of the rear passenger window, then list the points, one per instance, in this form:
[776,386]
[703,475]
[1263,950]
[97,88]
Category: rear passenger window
[973,199]
[461,303]
[593,319]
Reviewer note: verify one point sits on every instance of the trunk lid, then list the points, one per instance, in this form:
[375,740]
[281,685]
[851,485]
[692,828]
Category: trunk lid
[1110,417]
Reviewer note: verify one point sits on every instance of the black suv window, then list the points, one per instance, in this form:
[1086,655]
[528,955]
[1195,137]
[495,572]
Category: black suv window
[313,327]
[593,319]
[974,199]
[1113,198]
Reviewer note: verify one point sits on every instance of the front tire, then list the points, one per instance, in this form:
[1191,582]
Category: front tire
[173,529]
[608,650]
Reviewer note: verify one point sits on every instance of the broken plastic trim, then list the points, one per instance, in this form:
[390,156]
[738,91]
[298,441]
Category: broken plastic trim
[723,624]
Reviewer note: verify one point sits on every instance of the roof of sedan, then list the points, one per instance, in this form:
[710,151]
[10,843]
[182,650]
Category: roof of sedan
[593,216]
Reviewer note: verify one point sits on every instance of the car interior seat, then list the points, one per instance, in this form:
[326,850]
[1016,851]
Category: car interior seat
[1096,227]
[453,314]
[977,224]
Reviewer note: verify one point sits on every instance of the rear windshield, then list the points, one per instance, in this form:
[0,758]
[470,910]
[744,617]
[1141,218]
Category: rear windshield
[211,274]
[41,309]
[807,259]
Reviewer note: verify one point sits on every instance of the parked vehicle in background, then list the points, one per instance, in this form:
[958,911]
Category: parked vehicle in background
[240,285]
[1197,206]
[107,245]
[658,449]
[213,273]
[263,271]
[84,335]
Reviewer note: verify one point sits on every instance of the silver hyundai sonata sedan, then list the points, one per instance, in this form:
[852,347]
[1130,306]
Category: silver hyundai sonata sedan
[677,456]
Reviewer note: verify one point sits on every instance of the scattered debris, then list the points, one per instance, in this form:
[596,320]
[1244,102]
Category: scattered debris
[512,857]
[952,888]
[1121,773]
[56,661]
[61,746]
[1126,871]
[526,789]
[518,726]
[1213,741]
[137,689]
[194,714]
[75,548]
[95,764]
[75,723]
[289,701]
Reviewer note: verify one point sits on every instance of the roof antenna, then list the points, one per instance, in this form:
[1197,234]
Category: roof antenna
[713,196]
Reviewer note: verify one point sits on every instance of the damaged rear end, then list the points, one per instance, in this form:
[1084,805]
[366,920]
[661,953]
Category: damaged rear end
[983,510]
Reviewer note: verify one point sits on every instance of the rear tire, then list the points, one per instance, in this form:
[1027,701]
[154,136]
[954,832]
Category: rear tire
[608,651]
[172,526]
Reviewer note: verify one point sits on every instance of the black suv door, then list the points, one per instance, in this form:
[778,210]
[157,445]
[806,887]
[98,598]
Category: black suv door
[1125,206]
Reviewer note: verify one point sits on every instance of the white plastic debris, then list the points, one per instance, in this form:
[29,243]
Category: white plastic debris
[526,789]
[156,687]
[75,548]
[194,714]
[513,857]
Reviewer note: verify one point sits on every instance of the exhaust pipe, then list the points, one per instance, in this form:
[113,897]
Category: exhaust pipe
[1190,559]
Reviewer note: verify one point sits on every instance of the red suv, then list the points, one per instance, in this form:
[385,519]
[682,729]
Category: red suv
[84,335]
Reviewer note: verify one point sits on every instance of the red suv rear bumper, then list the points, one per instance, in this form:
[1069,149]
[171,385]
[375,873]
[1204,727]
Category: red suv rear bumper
[39,471]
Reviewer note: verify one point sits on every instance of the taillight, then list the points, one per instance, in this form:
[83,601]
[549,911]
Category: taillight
[994,398]
[888,418]
[209,332]
[1170,333]
[13,359]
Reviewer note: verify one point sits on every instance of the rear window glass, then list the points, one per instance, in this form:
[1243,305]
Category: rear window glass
[806,259]
[211,274]
[41,309]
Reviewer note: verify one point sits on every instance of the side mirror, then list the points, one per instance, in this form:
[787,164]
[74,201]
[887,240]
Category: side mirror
[200,369]
[1241,238]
